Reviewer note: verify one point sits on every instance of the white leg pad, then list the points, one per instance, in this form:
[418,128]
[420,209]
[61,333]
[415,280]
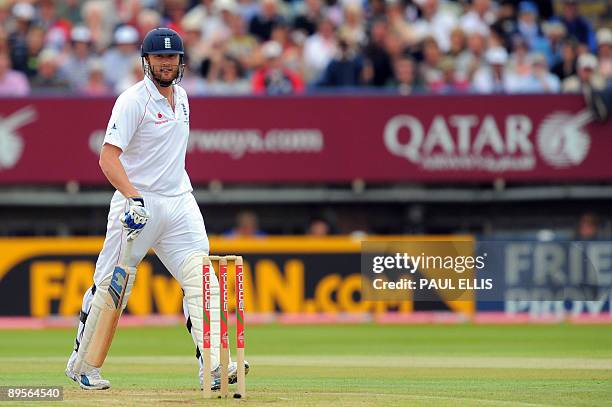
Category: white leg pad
[192,281]
[108,303]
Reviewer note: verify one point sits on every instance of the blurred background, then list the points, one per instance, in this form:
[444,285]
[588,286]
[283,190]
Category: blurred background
[316,118]
[343,49]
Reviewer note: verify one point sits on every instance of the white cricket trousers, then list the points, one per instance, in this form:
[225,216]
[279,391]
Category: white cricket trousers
[175,230]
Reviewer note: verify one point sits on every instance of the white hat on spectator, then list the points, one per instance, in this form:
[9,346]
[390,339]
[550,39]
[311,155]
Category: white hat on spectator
[47,55]
[298,37]
[272,49]
[604,36]
[80,33]
[126,34]
[538,59]
[191,22]
[587,61]
[227,5]
[554,28]
[352,4]
[497,56]
[24,11]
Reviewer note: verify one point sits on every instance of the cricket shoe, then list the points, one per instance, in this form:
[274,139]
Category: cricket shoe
[90,380]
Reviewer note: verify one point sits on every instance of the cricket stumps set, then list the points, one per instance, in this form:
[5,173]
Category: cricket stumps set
[224,350]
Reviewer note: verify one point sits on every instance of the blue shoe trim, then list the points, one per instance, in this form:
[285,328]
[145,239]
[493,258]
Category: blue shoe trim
[85,380]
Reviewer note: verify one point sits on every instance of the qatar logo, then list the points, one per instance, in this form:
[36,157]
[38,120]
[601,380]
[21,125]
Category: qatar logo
[562,140]
[11,143]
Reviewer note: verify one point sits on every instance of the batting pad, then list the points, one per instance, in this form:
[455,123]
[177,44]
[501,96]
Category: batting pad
[192,284]
[108,303]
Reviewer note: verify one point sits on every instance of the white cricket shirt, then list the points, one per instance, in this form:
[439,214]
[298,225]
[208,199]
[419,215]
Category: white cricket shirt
[153,138]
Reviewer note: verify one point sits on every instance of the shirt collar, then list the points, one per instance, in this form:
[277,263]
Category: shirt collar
[153,89]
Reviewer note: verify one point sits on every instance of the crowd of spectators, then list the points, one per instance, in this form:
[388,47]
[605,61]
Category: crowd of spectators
[277,47]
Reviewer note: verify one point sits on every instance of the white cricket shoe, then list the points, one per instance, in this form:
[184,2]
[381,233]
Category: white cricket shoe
[90,380]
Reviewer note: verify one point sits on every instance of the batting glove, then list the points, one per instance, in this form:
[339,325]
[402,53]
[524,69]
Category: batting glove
[135,219]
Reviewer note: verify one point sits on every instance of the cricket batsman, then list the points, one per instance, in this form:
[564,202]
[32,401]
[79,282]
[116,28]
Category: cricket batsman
[143,157]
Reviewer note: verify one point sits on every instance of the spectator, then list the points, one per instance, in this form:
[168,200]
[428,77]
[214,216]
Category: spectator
[588,227]
[479,17]
[217,26]
[345,70]
[473,57]
[541,80]
[457,43]
[436,23]
[47,79]
[529,28]
[377,10]
[118,59]
[70,10]
[353,28]
[307,19]
[273,78]
[195,47]
[280,34]
[396,20]
[200,11]
[520,63]
[228,79]
[99,16]
[23,16]
[555,33]
[129,11]
[248,9]
[147,20]
[201,14]
[227,36]
[241,45]
[377,65]
[404,77]
[494,77]
[586,75]
[506,25]
[293,47]
[451,81]
[319,49]
[57,30]
[12,83]
[174,11]
[566,67]
[604,53]
[95,85]
[318,227]
[75,68]
[261,25]
[576,25]
[135,75]
[247,225]
[35,41]
[430,73]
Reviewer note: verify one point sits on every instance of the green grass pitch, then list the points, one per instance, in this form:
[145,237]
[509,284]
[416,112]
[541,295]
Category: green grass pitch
[350,365]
